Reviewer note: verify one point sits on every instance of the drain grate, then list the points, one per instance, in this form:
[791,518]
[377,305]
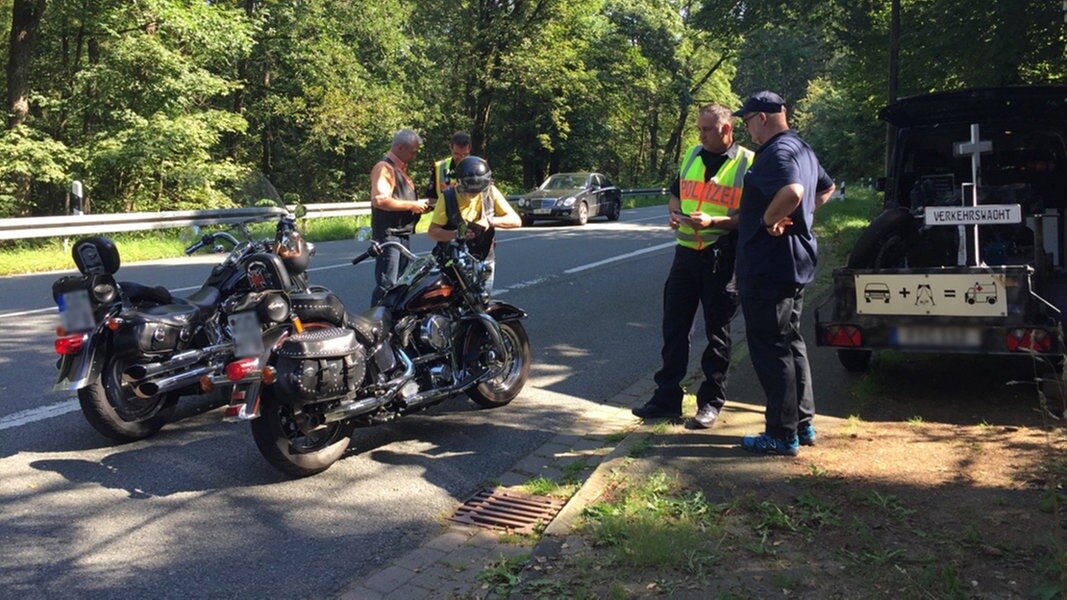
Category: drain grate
[506,510]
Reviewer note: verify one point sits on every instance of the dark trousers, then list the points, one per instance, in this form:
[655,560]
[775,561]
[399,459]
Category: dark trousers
[388,267]
[779,356]
[697,277]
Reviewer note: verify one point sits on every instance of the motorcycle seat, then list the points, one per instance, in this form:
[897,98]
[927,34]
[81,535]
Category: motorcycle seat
[370,325]
[205,300]
[138,293]
[178,315]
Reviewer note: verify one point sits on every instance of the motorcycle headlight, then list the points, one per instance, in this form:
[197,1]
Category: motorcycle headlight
[568,201]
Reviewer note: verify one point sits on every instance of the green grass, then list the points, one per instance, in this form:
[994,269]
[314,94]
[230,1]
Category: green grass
[654,522]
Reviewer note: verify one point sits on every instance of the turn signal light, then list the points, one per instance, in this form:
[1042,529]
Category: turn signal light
[269,375]
[71,344]
[1026,340]
[238,369]
[848,336]
[206,385]
[114,323]
[61,331]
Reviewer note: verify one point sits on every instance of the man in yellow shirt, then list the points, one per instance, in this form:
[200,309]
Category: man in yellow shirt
[477,202]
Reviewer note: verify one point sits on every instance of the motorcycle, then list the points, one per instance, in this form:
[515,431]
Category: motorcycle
[434,335]
[130,351]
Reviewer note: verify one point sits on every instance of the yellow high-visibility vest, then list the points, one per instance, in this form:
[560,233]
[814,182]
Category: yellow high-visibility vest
[716,196]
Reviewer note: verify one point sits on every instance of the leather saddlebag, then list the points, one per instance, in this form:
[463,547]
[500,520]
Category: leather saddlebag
[320,364]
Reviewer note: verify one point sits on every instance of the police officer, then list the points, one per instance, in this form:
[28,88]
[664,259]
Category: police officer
[443,175]
[703,213]
[395,208]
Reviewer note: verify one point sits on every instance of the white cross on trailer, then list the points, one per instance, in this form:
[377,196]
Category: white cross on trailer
[947,295]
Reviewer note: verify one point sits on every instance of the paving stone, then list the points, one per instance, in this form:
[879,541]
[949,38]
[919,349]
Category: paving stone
[484,539]
[438,577]
[551,450]
[410,592]
[513,479]
[361,593]
[531,464]
[469,558]
[389,579]
[420,558]
[448,541]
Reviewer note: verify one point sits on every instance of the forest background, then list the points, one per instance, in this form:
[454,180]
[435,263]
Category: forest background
[170,104]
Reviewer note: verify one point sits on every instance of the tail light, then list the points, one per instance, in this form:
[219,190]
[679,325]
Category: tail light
[848,336]
[71,344]
[239,369]
[1026,340]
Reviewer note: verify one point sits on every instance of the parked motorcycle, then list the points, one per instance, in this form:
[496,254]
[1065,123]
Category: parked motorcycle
[434,335]
[130,351]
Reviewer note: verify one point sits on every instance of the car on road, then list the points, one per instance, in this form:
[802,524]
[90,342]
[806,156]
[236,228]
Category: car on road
[574,197]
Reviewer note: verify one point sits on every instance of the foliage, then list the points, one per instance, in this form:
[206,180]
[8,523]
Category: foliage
[166,104]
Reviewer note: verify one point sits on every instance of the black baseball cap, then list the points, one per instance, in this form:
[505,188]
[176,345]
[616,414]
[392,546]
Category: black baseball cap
[767,102]
[461,138]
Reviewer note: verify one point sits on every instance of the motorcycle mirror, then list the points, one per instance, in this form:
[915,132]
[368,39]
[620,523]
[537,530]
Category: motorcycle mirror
[187,234]
[461,231]
[301,211]
[363,234]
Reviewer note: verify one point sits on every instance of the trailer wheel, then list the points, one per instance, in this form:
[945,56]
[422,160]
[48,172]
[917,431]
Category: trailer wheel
[885,242]
[854,361]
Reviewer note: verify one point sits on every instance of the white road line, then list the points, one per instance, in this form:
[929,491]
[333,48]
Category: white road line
[25,417]
[341,265]
[606,261]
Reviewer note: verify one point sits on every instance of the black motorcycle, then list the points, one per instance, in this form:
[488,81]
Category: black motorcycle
[130,351]
[434,335]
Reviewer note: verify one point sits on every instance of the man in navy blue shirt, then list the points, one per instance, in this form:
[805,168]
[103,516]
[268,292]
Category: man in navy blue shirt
[776,258]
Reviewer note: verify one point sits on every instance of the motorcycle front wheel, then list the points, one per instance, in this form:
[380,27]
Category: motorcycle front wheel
[507,378]
[112,408]
[293,444]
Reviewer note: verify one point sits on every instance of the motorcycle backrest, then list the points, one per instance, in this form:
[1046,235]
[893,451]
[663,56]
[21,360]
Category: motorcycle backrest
[96,256]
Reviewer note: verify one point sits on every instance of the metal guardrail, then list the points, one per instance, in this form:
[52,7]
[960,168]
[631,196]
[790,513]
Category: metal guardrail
[38,227]
[72,225]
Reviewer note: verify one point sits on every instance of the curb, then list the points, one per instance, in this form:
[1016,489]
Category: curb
[449,565]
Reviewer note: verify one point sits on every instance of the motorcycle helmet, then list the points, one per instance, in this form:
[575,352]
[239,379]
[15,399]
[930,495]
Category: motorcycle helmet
[294,252]
[473,174]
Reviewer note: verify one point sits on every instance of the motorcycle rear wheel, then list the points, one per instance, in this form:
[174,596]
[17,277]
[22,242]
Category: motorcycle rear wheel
[112,408]
[291,446]
[511,377]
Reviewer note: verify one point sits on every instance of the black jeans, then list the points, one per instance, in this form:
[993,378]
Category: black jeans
[779,356]
[388,267]
[697,277]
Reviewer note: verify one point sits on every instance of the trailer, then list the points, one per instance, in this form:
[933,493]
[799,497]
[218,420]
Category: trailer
[968,254]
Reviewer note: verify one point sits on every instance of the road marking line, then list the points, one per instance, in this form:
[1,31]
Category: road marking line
[25,417]
[618,258]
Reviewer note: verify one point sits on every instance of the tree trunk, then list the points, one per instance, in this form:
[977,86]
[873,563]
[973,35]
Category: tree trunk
[25,18]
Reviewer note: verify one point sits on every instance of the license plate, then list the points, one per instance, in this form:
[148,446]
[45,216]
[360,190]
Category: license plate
[938,337]
[247,336]
[542,211]
[75,311]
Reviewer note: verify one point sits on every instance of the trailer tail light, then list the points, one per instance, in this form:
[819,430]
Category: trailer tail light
[239,369]
[1026,340]
[71,344]
[848,336]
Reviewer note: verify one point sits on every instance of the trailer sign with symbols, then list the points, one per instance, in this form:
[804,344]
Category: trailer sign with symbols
[948,295]
[987,214]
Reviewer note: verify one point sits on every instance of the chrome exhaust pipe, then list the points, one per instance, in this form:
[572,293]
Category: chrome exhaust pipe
[135,373]
[359,407]
[169,384]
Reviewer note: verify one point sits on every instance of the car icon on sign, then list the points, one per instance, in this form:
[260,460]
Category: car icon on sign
[876,291]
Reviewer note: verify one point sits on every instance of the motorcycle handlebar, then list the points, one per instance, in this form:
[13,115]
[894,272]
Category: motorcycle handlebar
[209,239]
[376,248]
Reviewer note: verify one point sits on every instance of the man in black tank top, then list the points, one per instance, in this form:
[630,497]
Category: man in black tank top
[395,208]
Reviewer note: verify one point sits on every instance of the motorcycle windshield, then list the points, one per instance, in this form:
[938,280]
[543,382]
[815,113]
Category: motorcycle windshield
[415,269]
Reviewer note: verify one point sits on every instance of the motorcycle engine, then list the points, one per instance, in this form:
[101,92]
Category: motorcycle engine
[435,331]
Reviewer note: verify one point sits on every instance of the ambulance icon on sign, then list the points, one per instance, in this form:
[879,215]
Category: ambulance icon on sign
[981,292]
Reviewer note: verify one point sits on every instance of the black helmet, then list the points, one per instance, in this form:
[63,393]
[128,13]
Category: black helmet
[473,174]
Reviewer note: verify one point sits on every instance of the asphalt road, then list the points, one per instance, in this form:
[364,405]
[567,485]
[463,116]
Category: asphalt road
[195,510]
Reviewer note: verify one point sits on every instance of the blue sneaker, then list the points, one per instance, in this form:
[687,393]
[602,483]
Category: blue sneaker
[765,444]
[806,434]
